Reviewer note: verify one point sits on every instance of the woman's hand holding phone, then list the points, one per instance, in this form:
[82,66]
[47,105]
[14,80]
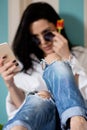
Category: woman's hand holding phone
[8,64]
[7,70]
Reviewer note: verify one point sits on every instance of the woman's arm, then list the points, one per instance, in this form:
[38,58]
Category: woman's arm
[17,95]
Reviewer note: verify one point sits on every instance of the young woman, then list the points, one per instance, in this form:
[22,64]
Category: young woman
[30,105]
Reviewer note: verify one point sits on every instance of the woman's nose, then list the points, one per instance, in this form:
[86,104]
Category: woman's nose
[43,41]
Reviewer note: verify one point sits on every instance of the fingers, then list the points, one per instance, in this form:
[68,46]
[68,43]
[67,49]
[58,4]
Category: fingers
[60,45]
[59,42]
[7,69]
[2,59]
[59,36]
[7,65]
[59,39]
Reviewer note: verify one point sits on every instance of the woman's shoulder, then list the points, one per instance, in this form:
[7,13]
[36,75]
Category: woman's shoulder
[81,55]
[79,49]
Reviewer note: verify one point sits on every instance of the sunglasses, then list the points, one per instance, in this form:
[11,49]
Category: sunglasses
[48,36]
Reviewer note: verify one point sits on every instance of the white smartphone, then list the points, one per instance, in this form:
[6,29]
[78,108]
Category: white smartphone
[5,50]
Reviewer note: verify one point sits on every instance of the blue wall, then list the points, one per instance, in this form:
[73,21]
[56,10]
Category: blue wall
[73,13]
[3,93]
[3,20]
[3,38]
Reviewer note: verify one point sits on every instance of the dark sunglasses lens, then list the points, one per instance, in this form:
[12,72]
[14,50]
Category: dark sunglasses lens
[35,40]
[49,36]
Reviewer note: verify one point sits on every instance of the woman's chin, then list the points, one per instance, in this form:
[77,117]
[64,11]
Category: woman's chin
[49,52]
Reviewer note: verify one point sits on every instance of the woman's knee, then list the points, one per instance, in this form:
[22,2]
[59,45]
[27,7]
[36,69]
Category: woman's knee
[18,128]
[43,107]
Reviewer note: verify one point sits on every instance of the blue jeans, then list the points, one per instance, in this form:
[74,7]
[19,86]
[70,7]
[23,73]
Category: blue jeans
[37,113]
[62,85]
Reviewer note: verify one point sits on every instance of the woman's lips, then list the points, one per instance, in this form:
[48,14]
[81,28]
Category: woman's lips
[47,48]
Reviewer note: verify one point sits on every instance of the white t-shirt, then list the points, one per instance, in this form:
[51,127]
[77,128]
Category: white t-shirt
[35,82]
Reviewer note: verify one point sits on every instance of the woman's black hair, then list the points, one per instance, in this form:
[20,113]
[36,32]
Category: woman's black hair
[22,43]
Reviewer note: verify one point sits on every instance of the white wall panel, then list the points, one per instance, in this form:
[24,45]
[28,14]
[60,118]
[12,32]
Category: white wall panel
[15,10]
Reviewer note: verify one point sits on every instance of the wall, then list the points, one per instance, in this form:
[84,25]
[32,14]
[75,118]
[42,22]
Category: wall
[73,13]
[3,93]
[15,10]
[3,20]
[3,38]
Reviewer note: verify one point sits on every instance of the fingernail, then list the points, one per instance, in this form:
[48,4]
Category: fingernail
[13,61]
[4,57]
[16,64]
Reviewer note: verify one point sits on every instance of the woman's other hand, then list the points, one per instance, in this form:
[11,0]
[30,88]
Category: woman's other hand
[60,46]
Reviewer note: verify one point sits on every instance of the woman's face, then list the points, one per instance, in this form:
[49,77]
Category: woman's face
[39,30]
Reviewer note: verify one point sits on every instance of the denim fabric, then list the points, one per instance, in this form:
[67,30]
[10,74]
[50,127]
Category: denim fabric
[62,85]
[37,113]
